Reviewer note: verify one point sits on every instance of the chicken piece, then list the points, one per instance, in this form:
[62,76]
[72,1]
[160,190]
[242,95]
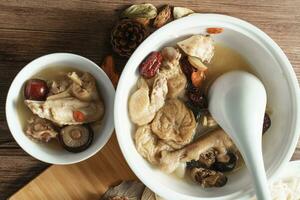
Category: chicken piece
[142,106]
[175,124]
[59,86]
[84,87]
[217,140]
[148,145]
[40,129]
[171,56]
[208,178]
[172,71]
[159,93]
[200,46]
[67,111]
[176,86]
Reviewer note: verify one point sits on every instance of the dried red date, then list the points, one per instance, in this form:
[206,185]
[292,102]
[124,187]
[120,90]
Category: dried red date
[36,89]
[148,68]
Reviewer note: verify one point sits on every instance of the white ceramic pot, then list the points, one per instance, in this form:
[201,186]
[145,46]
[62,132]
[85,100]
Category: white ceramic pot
[42,151]
[272,68]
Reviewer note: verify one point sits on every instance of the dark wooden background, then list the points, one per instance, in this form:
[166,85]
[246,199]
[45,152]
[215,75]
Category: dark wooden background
[29,29]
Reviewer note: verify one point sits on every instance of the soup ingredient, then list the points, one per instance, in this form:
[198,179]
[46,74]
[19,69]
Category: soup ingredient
[163,17]
[208,158]
[40,129]
[126,36]
[176,85]
[174,123]
[139,104]
[142,106]
[217,140]
[194,164]
[36,89]
[179,12]
[226,166]
[127,190]
[197,111]
[214,30]
[76,138]
[208,178]
[207,121]
[171,57]
[196,97]
[148,195]
[267,123]
[196,62]
[186,67]
[84,87]
[78,116]
[197,78]
[149,67]
[149,145]
[61,110]
[199,46]
[109,67]
[145,10]
[180,170]
[58,86]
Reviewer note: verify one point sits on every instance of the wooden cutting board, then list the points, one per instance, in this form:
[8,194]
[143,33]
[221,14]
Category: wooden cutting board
[86,180]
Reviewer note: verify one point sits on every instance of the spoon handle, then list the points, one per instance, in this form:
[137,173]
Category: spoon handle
[255,164]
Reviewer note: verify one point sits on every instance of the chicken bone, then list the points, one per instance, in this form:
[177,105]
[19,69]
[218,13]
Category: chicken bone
[217,140]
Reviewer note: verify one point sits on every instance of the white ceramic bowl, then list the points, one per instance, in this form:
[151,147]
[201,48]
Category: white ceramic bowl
[273,69]
[42,151]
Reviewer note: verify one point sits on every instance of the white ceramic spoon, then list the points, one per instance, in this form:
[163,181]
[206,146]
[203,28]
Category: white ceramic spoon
[237,101]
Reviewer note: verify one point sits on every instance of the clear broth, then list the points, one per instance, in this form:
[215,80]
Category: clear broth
[224,60]
[51,73]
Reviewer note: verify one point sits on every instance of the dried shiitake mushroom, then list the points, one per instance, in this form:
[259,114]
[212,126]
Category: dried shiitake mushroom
[76,138]
[208,178]
[226,166]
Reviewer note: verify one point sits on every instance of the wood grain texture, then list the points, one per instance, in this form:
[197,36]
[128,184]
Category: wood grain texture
[31,28]
[93,177]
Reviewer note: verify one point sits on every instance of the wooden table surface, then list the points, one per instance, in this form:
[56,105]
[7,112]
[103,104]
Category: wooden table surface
[31,28]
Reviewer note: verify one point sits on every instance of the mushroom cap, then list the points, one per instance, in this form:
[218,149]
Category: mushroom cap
[76,138]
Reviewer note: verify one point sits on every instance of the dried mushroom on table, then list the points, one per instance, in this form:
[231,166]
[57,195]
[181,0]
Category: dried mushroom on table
[129,190]
[137,21]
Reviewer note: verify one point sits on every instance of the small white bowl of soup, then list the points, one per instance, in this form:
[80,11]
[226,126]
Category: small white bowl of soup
[240,46]
[56,66]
